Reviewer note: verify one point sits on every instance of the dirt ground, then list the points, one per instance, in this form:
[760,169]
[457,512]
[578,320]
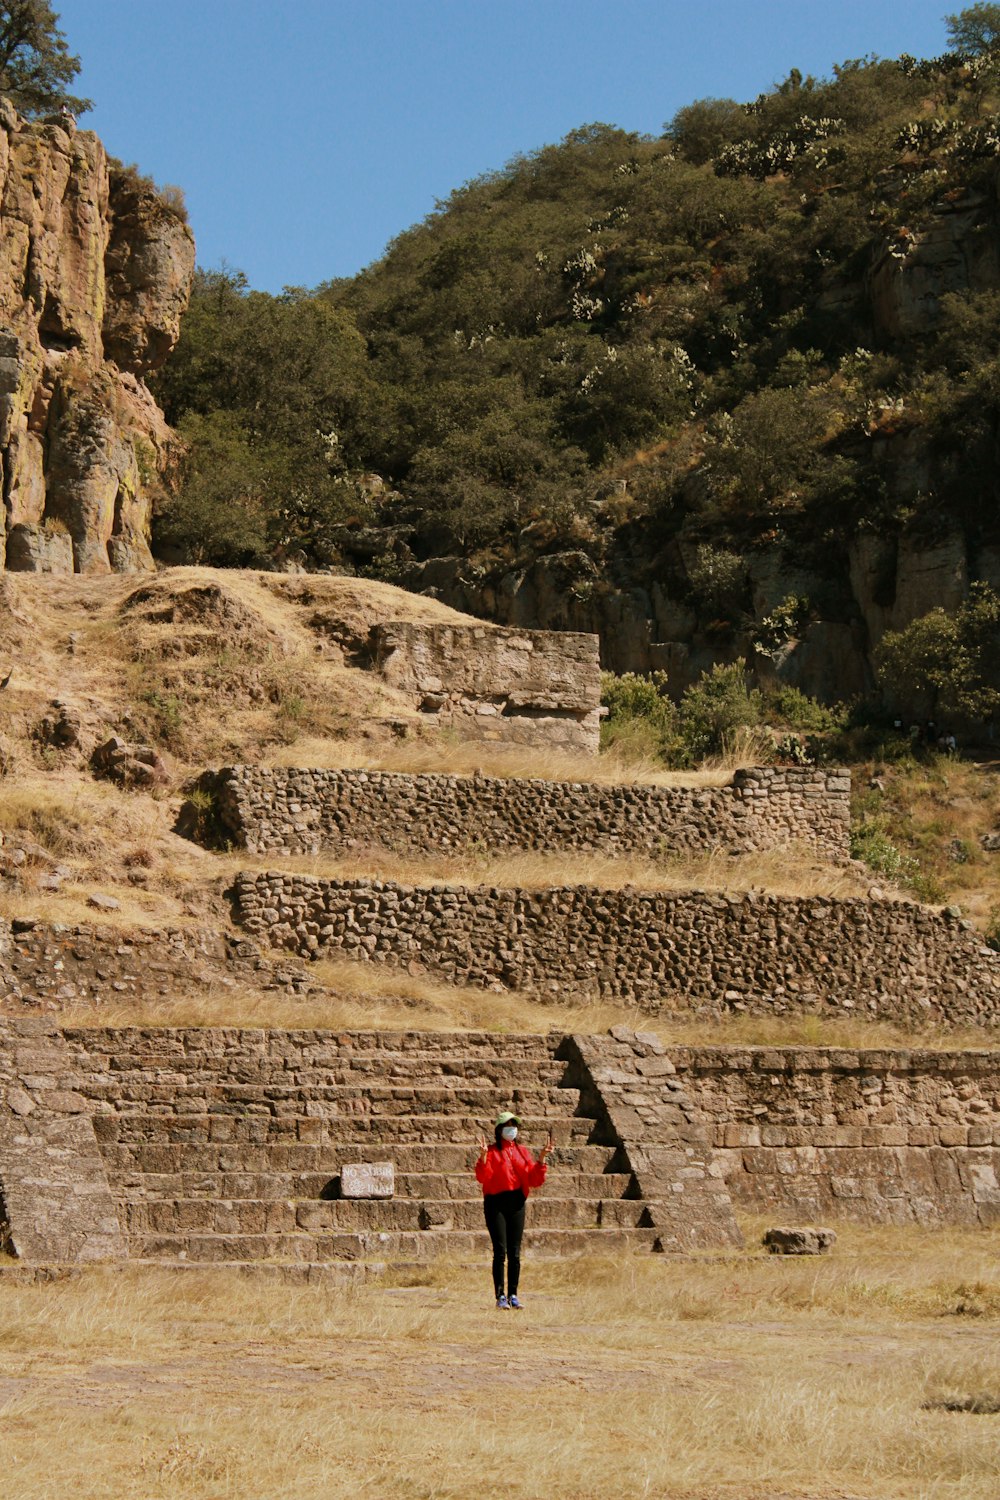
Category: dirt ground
[746,1377]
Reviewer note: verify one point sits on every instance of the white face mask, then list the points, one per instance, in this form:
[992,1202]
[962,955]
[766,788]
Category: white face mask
[509,1132]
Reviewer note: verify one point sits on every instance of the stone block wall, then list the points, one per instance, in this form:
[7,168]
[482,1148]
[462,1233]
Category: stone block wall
[57,1202]
[277,810]
[881,1136]
[631,1087]
[877,1136]
[527,687]
[695,951]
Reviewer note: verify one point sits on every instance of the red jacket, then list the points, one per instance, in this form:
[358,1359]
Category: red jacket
[509,1168]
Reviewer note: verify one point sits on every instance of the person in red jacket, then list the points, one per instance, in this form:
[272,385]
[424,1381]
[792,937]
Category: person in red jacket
[507,1172]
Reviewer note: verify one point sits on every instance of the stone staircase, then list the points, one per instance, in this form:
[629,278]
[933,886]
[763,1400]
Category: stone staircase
[226,1147]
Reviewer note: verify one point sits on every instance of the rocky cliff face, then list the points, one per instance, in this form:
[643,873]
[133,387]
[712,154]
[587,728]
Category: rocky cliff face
[95,273]
[881,583]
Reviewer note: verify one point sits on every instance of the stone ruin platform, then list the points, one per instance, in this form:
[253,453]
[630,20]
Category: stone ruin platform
[211,1147]
[188,1147]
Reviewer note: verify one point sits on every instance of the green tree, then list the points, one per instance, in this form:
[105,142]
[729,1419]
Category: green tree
[220,512]
[700,130]
[975,30]
[946,664]
[36,65]
[273,395]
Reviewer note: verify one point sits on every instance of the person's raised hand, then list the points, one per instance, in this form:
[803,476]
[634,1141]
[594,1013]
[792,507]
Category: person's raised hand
[483,1148]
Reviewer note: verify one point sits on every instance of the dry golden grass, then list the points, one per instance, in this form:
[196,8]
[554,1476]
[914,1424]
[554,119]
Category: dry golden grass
[448,755]
[243,667]
[787,871]
[935,812]
[745,1377]
[363,997]
[102,838]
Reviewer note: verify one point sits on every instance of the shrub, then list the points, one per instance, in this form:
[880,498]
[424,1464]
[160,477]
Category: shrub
[716,707]
[718,581]
[641,719]
[788,706]
[127,177]
[871,844]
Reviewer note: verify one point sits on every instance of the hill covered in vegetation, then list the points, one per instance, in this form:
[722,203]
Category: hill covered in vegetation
[729,391]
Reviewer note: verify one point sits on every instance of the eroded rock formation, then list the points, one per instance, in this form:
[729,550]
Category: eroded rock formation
[95,273]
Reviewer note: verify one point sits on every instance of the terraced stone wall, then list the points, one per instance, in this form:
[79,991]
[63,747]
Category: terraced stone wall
[47,966]
[710,954]
[877,1136]
[285,811]
[880,1136]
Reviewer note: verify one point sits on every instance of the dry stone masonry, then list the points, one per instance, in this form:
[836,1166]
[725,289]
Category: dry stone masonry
[56,1198]
[47,966]
[286,811]
[712,954]
[631,1087]
[525,687]
[313,1150]
[880,1136]
[237,1145]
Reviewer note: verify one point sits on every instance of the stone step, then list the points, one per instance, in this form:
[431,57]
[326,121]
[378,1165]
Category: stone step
[337,1099]
[166,1045]
[245,1216]
[372,1132]
[318,1158]
[384,1245]
[287,1273]
[430,1187]
[106,1073]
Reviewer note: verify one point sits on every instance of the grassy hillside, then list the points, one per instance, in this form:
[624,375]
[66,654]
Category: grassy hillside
[774,327]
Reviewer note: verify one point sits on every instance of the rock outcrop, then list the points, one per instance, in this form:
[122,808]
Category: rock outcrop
[95,273]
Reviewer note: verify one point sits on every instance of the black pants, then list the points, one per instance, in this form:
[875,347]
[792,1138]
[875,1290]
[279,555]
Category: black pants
[505,1222]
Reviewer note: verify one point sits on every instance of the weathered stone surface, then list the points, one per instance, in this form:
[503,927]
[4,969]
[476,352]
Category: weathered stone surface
[528,687]
[55,1190]
[285,811]
[134,766]
[658,1140]
[95,270]
[799,1241]
[34,549]
[950,253]
[694,951]
[102,902]
[374,1179]
[892,1137]
[47,965]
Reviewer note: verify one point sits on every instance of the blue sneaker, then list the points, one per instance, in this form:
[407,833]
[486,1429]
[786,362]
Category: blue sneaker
[502,1303]
[515,1303]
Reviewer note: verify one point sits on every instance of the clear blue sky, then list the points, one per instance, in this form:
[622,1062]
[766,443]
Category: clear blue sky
[307,133]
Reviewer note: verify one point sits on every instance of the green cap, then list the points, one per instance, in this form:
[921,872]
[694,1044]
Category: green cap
[505,1117]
